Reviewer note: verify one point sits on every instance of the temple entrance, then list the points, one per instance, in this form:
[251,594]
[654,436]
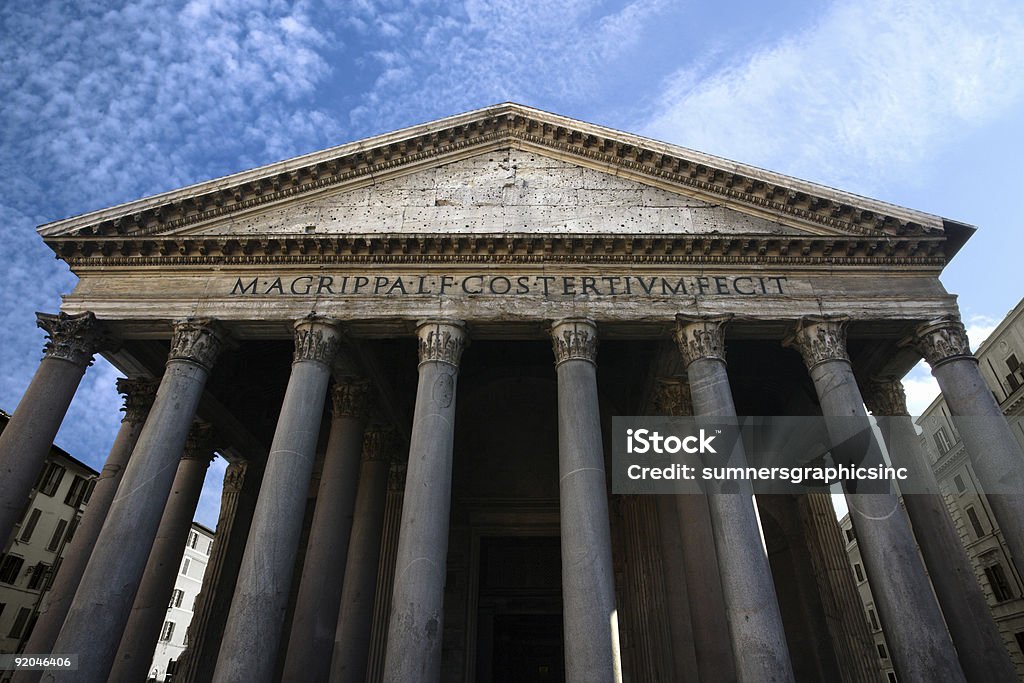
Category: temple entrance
[519,610]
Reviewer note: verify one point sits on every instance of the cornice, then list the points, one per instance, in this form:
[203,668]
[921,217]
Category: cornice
[500,248]
[789,200]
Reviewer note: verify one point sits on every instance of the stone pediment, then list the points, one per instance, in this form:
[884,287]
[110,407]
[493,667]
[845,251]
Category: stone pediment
[507,170]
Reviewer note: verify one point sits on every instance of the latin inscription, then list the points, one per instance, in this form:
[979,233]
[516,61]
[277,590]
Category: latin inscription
[512,285]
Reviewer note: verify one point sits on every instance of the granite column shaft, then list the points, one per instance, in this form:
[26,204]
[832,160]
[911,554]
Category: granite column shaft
[355,616]
[588,587]
[316,608]
[249,647]
[26,441]
[142,631]
[755,622]
[416,627]
[103,602]
[920,645]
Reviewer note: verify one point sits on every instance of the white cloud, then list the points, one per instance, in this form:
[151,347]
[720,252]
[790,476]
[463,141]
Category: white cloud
[857,99]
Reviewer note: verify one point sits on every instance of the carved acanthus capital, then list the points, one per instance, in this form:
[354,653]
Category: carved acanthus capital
[350,397]
[74,338]
[672,397]
[942,340]
[139,395]
[234,476]
[317,339]
[377,443]
[198,340]
[574,339]
[396,476]
[199,443]
[885,397]
[820,340]
[701,337]
[441,341]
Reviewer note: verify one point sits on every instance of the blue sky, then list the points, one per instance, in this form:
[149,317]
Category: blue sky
[917,102]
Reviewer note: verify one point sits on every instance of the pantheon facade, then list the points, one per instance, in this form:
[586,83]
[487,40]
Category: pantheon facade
[410,349]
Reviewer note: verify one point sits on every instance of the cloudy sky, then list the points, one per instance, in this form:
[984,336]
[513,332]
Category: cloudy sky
[917,102]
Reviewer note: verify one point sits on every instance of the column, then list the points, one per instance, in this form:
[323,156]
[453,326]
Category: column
[142,631]
[920,646]
[248,651]
[700,572]
[588,584]
[24,444]
[417,604]
[316,606]
[386,572]
[96,620]
[979,645]
[995,453]
[758,637]
[139,395]
[355,616]
[197,662]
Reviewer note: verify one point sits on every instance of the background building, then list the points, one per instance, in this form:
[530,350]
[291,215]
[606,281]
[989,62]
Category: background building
[31,556]
[174,633]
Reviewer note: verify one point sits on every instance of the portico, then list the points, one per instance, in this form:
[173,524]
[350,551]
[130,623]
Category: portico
[498,285]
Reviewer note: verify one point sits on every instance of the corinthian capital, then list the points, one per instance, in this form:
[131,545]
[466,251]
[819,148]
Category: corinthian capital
[672,397]
[197,340]
[138,398]
[942,340]
[199,443]
[885,397]
[819,340]
[574,339]
[74,338]
[441,341]
[701,337]
[317,339]
[350,397]
[377,443]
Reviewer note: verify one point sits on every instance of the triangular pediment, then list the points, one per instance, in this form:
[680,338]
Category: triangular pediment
[506,169]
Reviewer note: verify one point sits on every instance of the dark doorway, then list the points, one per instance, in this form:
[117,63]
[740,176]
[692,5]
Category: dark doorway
[519,616]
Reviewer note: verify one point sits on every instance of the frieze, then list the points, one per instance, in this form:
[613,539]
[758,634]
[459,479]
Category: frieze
[441,341]
[701,338]
[574,339]
[74,338]
[820,340]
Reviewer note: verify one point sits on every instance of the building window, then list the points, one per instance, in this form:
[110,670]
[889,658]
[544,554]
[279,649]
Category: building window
[58,535]
[30,525]
[859,571]
[881,651]
[176,597]
[72,527]
[961,487]
[972,515]
[50,479]
[167,631]
[185,565]
[18,627]
[209,547]
[873,619]
[850,538]
[76,492]
[942,441]
[1001,590]
[193,537]
[10,567]
[1015,378]
[39,573]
